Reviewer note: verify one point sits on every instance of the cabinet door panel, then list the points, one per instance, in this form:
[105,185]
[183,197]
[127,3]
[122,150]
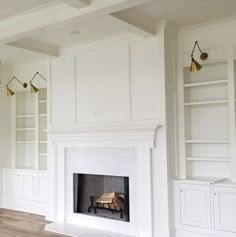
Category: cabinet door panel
[42,192]
[27,186]
[225,208]
[12,184]
[195,205]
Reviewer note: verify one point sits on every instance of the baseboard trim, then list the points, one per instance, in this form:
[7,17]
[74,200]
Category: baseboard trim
[203,233]
[24,206]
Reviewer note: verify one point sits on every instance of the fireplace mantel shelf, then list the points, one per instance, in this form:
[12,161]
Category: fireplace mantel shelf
[111,130]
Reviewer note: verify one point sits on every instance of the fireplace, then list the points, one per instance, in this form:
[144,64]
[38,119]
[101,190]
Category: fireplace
[101,196]
[126,159]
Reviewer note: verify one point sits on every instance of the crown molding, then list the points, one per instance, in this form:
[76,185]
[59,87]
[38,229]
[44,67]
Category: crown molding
[228,22]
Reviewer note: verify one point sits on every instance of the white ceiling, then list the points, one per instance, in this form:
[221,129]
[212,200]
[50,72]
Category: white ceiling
[12,7]
[61,34]
[182,13]
[187,12]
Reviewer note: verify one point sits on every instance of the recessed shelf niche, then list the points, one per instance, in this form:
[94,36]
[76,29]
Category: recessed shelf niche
[30,130]
[206,115]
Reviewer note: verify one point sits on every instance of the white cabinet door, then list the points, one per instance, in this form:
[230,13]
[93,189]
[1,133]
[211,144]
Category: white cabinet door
[12,184]
[42,188]
[225,208]
[27,185]
[195,205]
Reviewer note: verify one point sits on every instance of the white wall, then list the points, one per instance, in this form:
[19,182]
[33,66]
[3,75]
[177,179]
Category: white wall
[115,83]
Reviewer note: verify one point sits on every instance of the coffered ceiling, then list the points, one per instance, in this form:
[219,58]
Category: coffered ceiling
[41,28]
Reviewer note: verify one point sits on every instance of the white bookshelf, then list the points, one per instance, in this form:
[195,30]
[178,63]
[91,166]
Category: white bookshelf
[29,126]
[207,140]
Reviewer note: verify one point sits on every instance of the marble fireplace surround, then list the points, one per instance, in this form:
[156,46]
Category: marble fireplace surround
[126,152]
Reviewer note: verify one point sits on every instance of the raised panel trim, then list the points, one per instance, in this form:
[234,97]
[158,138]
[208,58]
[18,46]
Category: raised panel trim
[183,218]
[218,192]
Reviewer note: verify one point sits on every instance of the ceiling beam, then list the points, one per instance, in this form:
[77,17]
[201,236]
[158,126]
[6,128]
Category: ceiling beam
[36,47]
[23,25]
[75,3]
[137,23]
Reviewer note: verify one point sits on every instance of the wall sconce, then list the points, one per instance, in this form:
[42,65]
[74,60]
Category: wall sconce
[34,89]
[195,66]
[9,91]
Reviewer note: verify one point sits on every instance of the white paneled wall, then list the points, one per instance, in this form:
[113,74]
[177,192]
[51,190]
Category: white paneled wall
[102,78]
[62,93]
[112,84]
[145,80]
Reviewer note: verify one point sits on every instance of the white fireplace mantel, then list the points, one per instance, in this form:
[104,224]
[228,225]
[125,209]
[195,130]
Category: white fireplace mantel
[142,139]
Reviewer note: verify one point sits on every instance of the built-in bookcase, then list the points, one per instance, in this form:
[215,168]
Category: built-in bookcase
[30,130]
[206,115]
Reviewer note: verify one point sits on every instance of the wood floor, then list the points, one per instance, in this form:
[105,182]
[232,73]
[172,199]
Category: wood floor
[20,224]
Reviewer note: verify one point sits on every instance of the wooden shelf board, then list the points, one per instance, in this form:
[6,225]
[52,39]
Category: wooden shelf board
[42,115]
[206,102]
[42,101]
[25,116]
[42,142]
[25,129]
[187,85]
[208,141]
[43,154]
[209,159]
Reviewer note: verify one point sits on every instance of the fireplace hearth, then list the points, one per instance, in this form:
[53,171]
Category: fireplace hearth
[102,196]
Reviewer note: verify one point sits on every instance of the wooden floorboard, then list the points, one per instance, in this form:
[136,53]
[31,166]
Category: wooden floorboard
[22,224]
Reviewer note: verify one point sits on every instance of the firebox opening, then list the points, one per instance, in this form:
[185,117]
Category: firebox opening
[102,196]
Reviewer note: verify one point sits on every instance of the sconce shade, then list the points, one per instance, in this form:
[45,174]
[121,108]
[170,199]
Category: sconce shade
[10,92]
[195,66]
[34,89]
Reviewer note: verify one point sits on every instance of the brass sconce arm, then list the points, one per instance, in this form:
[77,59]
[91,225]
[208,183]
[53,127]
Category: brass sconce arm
[14,78]
[9,91]
[195,66]
[34,89]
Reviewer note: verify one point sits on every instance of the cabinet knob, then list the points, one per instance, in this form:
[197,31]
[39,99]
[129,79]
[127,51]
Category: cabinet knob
[181,190]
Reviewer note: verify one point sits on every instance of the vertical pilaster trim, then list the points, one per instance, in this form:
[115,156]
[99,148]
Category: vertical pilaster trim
[76,89]
[231,110]
[13,138]
[130,83]
[36,130]
[181,112]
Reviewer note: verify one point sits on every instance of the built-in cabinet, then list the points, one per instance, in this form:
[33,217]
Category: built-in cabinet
[29,130]
[208,207]
[25,183]
[207,124]
[25,190]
